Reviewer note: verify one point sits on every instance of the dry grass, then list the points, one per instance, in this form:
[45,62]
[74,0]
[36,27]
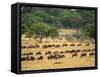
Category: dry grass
[67,31]
[67,62]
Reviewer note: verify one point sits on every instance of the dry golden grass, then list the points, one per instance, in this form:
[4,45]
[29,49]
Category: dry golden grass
[67,31]
[67,62]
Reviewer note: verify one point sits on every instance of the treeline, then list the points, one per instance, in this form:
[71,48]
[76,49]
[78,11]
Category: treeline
[40,21]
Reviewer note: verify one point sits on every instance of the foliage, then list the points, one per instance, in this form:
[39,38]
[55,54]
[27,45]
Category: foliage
[44,22]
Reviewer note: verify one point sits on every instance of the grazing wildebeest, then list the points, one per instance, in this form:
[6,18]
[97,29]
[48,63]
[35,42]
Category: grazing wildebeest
[61,52]
[32,58]
[66,51]
[84,50]
[44,46]
[23,47]
[72,44]
[27,58]
[40,58]
[61,56]
[78,51]
[79,44]
[91,54]
[49,45]
[93,49]
[30,46]
[87,44]
[57,63]
[50,57]
[75,54]
[64,45]
[58,56]
[30,53]
[88,50]
[27,54]
[48,52]
[56,52]
[57,45]
[83,55]
[23,54]
[23,58]
[72,51]
[53,45]
[38,53]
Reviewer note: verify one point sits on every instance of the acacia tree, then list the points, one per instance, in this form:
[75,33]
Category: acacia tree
[41,30]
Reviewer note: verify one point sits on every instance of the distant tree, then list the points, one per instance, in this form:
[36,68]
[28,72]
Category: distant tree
[89,30]
[41,30]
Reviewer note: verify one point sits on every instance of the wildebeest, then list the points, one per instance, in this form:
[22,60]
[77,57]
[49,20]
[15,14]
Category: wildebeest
[48,52]
[49,46]
[84,50]
[56,52]
[55,56]
[30,46]
[40,58]
[75,54]
[88,50]
[27,58]
[58,56]
[61,56]
[67,51]
[57,45]
[32,58]
[78,51]
[50,57]
[79,44]
[64,45]
[23,46]
[30,53]
[44,46]
[91,54]
[38,53]
[87,44]
[27,54]
[93,49]
[57,63]
[72,51]
[61,52]
[83,55]
[23,59]
[72,44]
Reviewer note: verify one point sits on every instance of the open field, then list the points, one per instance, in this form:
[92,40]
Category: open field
[56,54]
[67,32]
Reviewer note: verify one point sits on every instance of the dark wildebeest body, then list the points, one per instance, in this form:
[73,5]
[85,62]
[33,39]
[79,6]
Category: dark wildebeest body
[48,52]
[72,44]
[75,54]
[79,44]
[87,44]
[40,58]
[65,45]
[83,55]
[91,54]
[38,53]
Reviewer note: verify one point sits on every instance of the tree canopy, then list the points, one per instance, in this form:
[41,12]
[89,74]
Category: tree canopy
[44,22]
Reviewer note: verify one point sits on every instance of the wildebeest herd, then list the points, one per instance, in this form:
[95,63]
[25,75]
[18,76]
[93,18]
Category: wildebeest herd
[58,54]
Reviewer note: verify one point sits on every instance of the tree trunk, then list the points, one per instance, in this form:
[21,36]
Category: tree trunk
[40,39]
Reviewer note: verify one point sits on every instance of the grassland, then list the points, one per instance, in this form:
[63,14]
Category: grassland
[67,62]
